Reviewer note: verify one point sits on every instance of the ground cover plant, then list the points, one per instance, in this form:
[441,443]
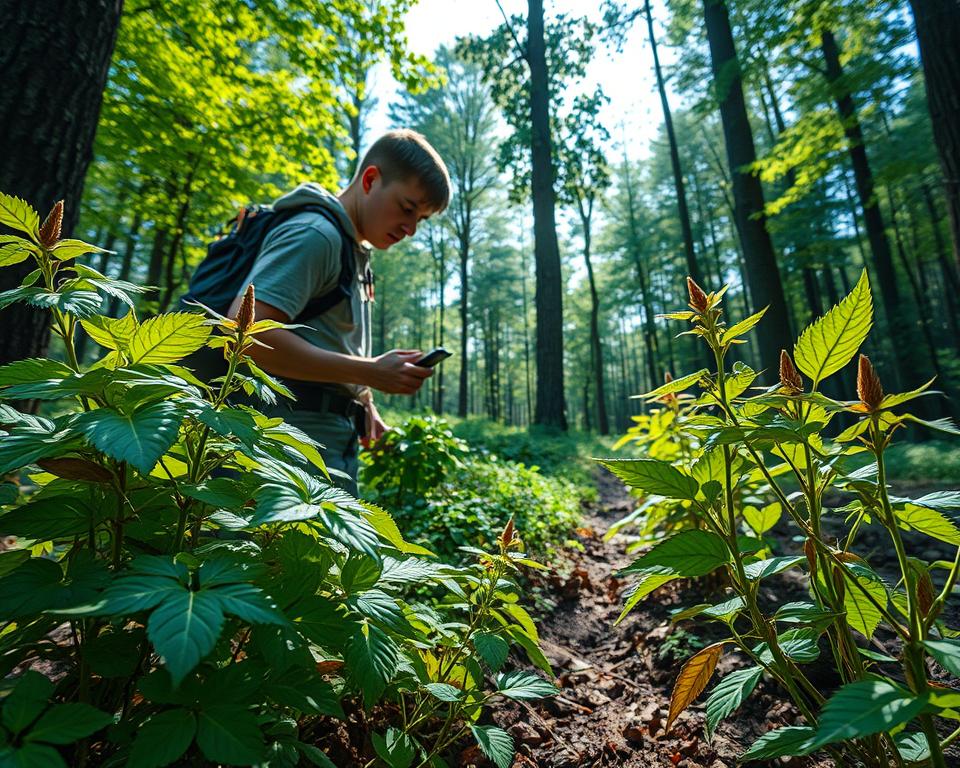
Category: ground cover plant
[713,478]
[187,586]
[454,493]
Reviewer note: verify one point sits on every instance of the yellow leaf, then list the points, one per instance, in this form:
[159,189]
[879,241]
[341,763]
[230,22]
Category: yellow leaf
[694,676]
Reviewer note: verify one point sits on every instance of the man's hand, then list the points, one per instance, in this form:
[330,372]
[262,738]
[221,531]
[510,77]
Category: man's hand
[375,424]
[393,372]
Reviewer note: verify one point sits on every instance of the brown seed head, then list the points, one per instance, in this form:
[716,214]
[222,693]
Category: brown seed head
[924,592]
[246,314]
[789,377]
[50,229]
[507,536]
[869,389]
[811,552]
[698,299]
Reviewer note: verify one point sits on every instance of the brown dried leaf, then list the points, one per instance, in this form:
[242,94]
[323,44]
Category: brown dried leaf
[75,469]
[693,678]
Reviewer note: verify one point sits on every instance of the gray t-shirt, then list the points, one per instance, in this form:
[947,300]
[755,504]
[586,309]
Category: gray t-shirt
[299,261]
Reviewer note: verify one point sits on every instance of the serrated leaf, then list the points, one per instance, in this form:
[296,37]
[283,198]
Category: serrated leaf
[675,385]
[863,708]
[168,338]
[493,649]
[829,343]
[688,553]
[649,581]
[66,723]
[70,249]
[372,659]
[653,477]
[929,521]
[384,524]
[781,742]
[495,743]
[19,215]
[110,332]
[524,685]
[862,614]
[797,644]
[693,678]
[163,738]
[444,692]
[184,629]
[396,749]
[229,733]
[946,653]
[738,329]
[14,250]
[729,694]
[139,438]
[27,700]
[764,568]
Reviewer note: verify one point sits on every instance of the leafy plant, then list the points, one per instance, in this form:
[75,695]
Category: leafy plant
[448,494]
[199,588]
[712,479]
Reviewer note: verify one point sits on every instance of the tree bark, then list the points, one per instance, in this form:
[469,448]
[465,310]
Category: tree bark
[464,394]
[550,410]
[938,36]
[55,58]
[766,288]
[596,348]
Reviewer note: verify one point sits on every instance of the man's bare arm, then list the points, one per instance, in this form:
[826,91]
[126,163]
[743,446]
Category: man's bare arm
[293,357]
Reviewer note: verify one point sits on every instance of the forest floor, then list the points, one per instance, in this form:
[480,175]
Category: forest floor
[616,682]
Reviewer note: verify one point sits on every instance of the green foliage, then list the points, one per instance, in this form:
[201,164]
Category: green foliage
[204,566]
[448,497]
[712,483]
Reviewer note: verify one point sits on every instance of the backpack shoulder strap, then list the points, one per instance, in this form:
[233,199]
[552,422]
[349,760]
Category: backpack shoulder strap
[348,267]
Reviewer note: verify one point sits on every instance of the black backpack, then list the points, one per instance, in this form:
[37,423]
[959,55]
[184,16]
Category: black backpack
[219,277]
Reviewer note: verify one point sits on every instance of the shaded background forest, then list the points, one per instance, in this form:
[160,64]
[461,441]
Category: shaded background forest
[796,147]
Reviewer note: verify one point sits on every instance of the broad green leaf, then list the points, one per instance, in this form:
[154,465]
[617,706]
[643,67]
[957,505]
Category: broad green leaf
[530,646]
[797,644]
[139,438]
[70,249]
[762,520]
[304,692]
[764,568]
[109,332]
[51,517]
[28,699]
[493,649]
[359,573]
[444,692]
[794,740]
[19,215]
[74,302]
[652,476]
[801,613]
[66,723]
[12,559]
[14,250]
[947,654]
[114,653]
[929,521]
[396,749]
[914,747]
[693,678]
[688,553]
[649,581]
[729,694]
[727,610]
[866,707]
[829,343]
[524,619]
[184,629]
[862,614]
[315,756]
[163,739]
[945,425]
[738,329]
[229,733]
[372,659]
[495,743]
[31,588]
[247,602]
[676,385]
[31,756]
[384,524]
[524,685]
[168,338]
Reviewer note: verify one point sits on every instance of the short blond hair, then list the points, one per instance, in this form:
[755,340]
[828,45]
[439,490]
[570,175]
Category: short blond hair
[403,154]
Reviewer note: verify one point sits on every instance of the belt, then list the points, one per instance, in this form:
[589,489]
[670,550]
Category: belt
[324,399]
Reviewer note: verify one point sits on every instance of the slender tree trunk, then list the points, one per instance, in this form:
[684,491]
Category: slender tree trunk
[683,211]
[763,274]
[938,36]
[603,423]
[54,57]
[904,336]
[951,286]
[463,397]
[126,261]
[549,298]
[526,338]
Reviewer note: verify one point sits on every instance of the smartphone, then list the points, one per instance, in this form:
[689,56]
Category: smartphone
[434,356]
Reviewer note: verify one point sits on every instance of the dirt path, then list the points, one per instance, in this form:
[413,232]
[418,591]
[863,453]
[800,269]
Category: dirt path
[615,687]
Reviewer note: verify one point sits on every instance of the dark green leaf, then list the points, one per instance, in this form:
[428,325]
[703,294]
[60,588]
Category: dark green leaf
[66,723]
[228,733]
[27,700]
[764,568]
[729,694]
[31,756]
[688,553]
[652,476]
[524,685]
[371,660]
[864,708]
[184,629]
[493,649]
[781,742]
[163,739]
[444,692]
[139,438]
[396,749]
[495,743]
[947,654]
[305,693]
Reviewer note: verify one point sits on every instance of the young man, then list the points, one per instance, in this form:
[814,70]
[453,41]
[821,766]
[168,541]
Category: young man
[400,182]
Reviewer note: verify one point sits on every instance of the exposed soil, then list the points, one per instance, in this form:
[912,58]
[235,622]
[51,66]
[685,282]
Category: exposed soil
[615,689]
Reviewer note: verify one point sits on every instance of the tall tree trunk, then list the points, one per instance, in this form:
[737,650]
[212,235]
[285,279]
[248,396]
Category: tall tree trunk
[55,58]
[938,36]
[126,261]
[951,287]
[683,211]
[526,338]
[904,337]
[463,397]
[603,423]
[766,289]
[549,298]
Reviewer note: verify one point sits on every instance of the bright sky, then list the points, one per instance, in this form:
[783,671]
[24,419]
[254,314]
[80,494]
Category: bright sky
[627,77]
